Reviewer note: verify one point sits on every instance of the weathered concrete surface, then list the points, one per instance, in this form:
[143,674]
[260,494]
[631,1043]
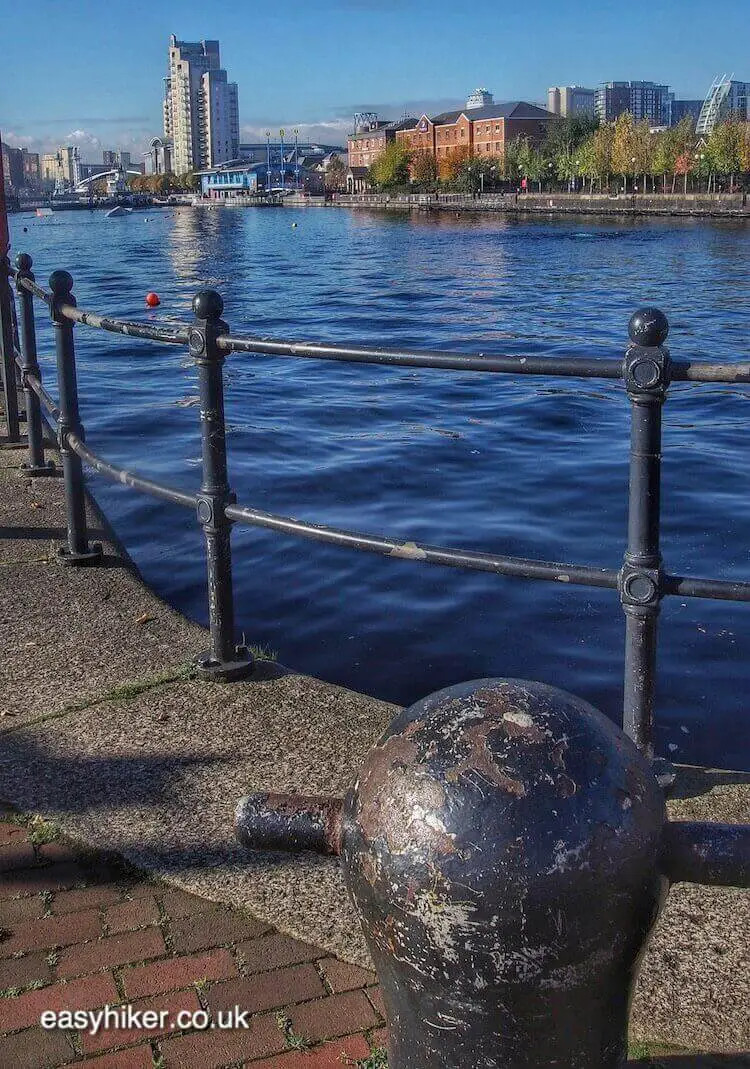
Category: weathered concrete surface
[153,769]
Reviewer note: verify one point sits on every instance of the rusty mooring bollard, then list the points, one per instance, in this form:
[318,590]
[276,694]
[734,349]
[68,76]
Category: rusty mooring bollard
[507,850]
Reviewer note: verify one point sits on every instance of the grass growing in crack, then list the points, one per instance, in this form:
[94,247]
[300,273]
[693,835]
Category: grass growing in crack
[122,693]
[139,686]
[52,958]
[263,653]
[649,1053]
[378,1059]
[14,992]
[43,831]
[293,1040]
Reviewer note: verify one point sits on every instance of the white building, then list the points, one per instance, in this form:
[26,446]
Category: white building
[201,116]
[218,119]
[568,100]
[480,98]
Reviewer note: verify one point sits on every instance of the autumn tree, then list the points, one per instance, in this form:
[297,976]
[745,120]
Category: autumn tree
[723,151]
[603,145]
[624,147]
[449,168]
[744,148]
[664,155]
[423,170]
[391,169]
[335,173]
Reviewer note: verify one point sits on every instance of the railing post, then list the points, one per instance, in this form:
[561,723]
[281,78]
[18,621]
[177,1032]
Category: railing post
[10,390]
[30,367]
[224,660]
[647,373]
[78,550]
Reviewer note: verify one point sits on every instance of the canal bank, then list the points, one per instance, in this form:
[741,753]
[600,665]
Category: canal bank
[105,733]
[698,205]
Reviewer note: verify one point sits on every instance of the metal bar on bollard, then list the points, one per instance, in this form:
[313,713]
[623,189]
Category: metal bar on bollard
[225,660]
[36,464]
[646,373]
[78,550]
[7,355]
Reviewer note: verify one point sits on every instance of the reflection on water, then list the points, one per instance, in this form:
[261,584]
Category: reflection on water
[530,467]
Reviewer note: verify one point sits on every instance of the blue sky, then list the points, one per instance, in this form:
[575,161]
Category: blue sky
[92,72]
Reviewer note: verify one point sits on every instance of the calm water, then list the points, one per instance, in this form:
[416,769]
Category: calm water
[534,468]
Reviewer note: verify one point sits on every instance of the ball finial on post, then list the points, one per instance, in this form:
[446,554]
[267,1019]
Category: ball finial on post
[61,284]
[24,262]
[208,304]
[648,327]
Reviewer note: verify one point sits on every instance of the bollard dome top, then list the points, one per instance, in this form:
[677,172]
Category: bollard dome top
[648,327]
[207,304]
[23,261]
[61,283]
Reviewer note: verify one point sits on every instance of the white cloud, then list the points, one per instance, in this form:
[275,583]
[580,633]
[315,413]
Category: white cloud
[17,140]
[328,131]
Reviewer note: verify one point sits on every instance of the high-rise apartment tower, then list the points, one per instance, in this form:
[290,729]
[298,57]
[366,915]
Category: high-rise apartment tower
[201,113]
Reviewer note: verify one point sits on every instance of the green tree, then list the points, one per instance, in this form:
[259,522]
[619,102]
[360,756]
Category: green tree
[530,162]
[586,161]
[391,169]
[664,155]
[723,151]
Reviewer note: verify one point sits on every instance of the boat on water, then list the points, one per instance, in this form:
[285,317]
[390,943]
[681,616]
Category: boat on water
[119,210]
[43,212]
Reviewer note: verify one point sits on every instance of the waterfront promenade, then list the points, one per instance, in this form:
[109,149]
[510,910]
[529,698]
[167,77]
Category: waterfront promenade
[106,735]
[623,205]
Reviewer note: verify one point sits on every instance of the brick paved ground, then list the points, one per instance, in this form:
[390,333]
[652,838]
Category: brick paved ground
[77,932]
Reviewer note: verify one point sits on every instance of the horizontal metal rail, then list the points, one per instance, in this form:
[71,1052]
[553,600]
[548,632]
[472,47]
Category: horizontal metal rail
[589,368]
[567,367]
[46,398]
[129,478]
[419,551]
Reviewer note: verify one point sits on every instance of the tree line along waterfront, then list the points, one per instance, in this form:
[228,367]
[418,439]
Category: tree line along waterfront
[580,154]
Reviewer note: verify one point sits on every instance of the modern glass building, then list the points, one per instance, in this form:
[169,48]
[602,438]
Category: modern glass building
[644,100]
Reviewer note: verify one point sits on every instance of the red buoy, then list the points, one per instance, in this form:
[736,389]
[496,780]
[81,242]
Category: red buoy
[152,300]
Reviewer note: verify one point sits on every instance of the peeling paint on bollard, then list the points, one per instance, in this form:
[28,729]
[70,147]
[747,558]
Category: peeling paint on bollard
[501,846]
[507,850]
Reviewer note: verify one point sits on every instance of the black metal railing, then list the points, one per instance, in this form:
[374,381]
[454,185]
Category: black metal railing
[646,371]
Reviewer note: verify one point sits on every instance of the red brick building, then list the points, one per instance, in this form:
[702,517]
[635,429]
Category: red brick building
[479,131]
[365,145]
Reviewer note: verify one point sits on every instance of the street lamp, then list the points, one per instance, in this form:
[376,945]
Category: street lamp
[632,164]
[268,160]
[296,157]
[575,177]
[281,137]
